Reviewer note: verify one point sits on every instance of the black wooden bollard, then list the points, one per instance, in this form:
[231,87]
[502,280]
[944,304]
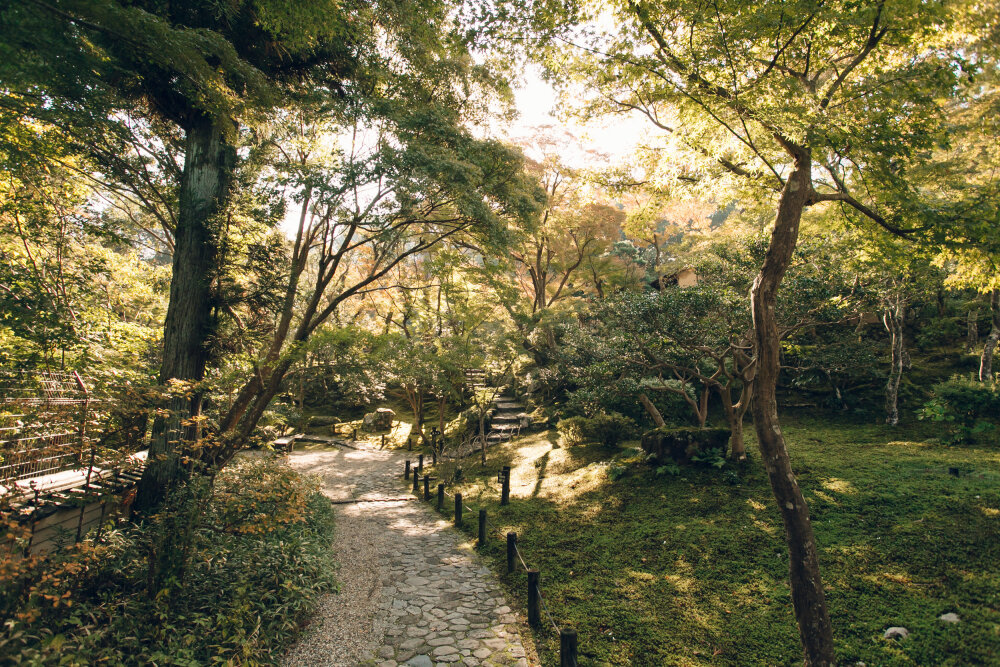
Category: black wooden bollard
[440,497]
[354,434]
[383,442]
[482,528]
[416,481]
[406,475]
[567,647]
[409,444]
[420,463]
[458,509]
[427,487]
[511,551]
[505,489]
[953,472]
[534,618]
[458,474]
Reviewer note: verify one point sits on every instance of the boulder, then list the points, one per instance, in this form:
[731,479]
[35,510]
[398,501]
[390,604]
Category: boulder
[380,420]
[896,632]
[680,444]
[320,421]
[950,617]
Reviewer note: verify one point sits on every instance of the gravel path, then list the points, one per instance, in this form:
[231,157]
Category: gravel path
[411,591]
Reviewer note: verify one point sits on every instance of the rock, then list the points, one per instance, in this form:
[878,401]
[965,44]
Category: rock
[896,632]
[525,420]
[320,420]
[950,617]
[380,420]
[420,661]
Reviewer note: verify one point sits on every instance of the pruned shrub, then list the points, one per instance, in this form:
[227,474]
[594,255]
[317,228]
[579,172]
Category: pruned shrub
[685,444]
[607,429]
[969,409]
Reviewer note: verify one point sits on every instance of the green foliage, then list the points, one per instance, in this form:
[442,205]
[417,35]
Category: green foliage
[969,409]
[259,557]
[607,429]
[701,445]
[901,542]
[712,458]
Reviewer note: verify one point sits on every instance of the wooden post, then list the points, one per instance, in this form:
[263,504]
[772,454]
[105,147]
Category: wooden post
[482,528]
[511,551]
[458,474]
[534,617]
[440,497]
[409,444]
[416,482]
[434,456]
[382,446]
[427,487]
[420,463]
[354,435]
[567,647]
[406,475]
[458,509]
[505,489]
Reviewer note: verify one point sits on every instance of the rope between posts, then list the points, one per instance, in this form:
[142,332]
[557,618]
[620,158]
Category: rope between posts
[545,608]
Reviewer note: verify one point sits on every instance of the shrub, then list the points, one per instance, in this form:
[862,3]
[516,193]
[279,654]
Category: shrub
[968,407]
[686,444]
[607,429]
[258,559]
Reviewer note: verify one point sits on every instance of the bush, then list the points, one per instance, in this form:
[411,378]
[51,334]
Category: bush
[607,429]
[686,444]
[969,408]
[259,557]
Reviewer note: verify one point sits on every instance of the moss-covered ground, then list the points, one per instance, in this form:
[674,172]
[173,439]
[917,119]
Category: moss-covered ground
[692,569]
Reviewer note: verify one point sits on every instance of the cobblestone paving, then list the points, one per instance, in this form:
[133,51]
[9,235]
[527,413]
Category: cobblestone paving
[412,591]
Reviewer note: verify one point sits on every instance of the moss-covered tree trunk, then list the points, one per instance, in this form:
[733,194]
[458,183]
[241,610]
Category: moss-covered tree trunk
[206,181]
[808,596]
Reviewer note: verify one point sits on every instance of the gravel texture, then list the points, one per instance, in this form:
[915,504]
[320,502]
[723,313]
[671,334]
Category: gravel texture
[411,592]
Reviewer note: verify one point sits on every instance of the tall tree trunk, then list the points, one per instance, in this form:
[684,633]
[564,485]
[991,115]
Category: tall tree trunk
[651,409]
[209,163]
[972,336]
[808,597]
[734,418]
[894,324]
[986,361]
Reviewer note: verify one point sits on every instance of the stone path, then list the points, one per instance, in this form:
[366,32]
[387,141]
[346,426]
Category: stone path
[412,591]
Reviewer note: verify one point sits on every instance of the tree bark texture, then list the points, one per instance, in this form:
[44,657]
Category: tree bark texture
[894,317]
[808,596]
[206,181]
[651,409]
[990,346]
[972,336]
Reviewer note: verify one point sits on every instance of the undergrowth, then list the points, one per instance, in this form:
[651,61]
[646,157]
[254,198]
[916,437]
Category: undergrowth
[691,569]
[259,557]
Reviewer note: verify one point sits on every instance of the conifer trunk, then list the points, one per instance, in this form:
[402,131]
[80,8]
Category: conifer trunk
[209,163]
[808,596]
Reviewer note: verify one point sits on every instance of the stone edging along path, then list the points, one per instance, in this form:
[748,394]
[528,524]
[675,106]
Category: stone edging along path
[411,591]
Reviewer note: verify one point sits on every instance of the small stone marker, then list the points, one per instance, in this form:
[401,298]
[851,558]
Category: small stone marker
[896,632]
[950,617]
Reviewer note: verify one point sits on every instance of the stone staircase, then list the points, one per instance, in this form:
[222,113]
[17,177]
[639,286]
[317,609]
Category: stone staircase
[507,419]
[475,378]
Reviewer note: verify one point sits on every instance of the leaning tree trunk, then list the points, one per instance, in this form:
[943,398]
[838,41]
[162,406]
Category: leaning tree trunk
[209,163]
[734,418]
[894,323]
[651,409]
[808,597]
[989,347]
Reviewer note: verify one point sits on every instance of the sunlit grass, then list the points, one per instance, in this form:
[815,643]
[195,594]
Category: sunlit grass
[689,570]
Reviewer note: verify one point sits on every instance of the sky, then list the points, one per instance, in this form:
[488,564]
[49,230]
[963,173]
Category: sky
[537,103]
